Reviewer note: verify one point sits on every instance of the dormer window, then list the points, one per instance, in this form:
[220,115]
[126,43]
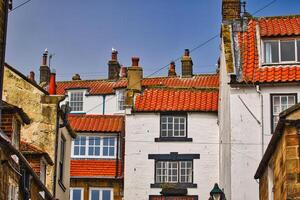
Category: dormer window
[76,101]
[121,99]
[281,51]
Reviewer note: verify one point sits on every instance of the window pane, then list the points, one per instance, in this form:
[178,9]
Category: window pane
[111,151]
[82,150]
[105,151]
[271,52]
[287,49]
[76,151]
[97,151]
[95,195]
[106,195]
[91,151]
[76,194]
[298,50]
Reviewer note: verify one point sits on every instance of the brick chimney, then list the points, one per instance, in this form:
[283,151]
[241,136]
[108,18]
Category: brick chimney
[44,69]
[52,83]
[231,10]
[76,77]
[186,64]
[172,70]
[31,76]
[114,66]
[134,78]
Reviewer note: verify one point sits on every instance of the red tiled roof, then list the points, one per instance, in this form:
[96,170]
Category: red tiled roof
[251,70]
[107,87]
[96,123]
[177,100]
[95,168]
[279,26]
[29,149]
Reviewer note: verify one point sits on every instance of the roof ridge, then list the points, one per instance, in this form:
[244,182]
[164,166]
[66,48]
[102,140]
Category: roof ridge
[94,115]
[183,88]
[278,16]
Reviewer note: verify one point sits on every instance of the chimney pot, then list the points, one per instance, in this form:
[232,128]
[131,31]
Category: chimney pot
[114,55]
[172,70]
[186,52]
[31,76]
[76,77]
[52,83]
[44,69]
[135,61]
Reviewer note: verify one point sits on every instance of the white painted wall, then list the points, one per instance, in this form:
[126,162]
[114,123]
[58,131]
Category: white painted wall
[93,104]
[142,128]
[246,135]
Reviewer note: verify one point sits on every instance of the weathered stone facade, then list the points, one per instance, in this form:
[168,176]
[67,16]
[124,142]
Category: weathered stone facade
[41,109]
[283,179]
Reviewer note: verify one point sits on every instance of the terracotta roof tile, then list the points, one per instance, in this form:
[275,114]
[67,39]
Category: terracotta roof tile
[27,147]
[269,27]
[96,123]
[95,168]
[107,87]
[168,99]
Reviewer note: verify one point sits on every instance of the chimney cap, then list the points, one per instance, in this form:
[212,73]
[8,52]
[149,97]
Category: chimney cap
[46,51]
[76,77]
[186,52]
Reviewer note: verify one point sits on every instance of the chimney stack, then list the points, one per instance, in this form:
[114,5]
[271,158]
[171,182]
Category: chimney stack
[172,70]
[186,64]
[52,83]
[114,66]
[76,77]
[231,10]
[31,76]
[44,69]
[134,78]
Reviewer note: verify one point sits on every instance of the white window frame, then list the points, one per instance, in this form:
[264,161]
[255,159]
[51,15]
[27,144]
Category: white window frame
[173,124]
[100,192]
[101,147]
[279,51]
[76,188]
[273,114]
[70,92]
[120,94]
[179,175]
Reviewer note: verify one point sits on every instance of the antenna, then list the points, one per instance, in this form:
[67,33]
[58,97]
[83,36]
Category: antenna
[50,58]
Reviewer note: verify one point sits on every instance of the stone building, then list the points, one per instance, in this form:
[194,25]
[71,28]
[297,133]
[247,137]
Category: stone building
[18,180]
[279,169]
[49,130]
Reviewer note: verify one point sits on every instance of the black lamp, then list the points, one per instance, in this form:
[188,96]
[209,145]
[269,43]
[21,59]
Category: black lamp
[216,193]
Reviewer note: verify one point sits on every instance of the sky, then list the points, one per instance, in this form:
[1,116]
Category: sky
[81,33]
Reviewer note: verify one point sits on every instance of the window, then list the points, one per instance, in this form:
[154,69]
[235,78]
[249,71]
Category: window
[280,103]
[121,99]
[76,193]
[101,194]
[94,146]
[173,126]
[76,101]
[281,51]
[174,172]
[62,158]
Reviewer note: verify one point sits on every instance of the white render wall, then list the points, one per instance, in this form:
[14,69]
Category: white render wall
[246,136]
[93,104]
[142,128]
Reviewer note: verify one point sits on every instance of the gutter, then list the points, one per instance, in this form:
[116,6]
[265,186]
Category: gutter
[258,90]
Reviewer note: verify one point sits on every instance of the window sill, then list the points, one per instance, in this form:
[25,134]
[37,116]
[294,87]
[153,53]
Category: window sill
[78,112]
[279,64]
[173,139]
[174,185]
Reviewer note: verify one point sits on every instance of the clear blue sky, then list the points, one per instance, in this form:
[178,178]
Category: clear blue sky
[81,33]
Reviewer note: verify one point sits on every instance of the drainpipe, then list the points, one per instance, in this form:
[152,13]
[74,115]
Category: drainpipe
[117,158]
[103,105]
[56,146]
[258,90]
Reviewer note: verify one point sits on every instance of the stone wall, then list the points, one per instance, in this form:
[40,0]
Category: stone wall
[41,109]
